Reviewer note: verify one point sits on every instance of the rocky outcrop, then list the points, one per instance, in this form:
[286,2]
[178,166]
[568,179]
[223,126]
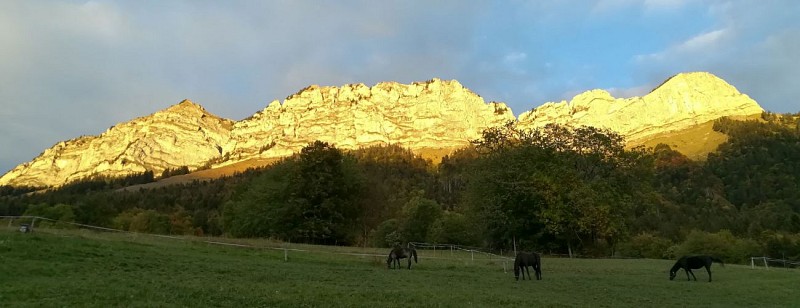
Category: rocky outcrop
[435,114]
[682,101]
[432,115]
[181,135]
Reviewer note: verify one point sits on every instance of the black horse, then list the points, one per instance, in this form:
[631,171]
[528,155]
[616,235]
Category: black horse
[523,260]
[401,253]
[687,263]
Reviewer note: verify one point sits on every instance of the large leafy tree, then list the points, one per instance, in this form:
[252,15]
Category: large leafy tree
[419,216]
[311,197]
[572,184]
[323,194]
[395,175]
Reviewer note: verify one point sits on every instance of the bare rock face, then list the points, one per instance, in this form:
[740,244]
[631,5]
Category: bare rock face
[431,115]
[435,114]
[682,101]
[181,135]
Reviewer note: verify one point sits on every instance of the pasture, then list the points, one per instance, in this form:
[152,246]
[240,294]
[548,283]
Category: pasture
[86,268]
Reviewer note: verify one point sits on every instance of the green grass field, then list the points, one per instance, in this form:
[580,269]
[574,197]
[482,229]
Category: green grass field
[84,268]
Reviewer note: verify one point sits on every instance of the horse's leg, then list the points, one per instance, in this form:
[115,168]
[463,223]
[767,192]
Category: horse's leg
[708,269]
[527,269]
[409,262]
[693,276]
[687,274]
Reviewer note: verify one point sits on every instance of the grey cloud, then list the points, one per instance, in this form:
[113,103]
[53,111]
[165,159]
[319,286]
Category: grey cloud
[91,64]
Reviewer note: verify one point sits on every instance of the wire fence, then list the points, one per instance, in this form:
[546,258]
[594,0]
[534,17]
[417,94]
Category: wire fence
[452,251]
[433,251]
[775,262]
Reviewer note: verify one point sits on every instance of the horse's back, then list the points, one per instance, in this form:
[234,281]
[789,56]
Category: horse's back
[694,262]
[526,259]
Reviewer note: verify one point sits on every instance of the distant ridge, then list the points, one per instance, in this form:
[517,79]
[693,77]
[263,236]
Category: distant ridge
[437,116]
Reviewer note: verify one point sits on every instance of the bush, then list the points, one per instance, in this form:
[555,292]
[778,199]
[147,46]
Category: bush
[387,234]
[453,228]
[646,245]
[150,221]
[419,215]
[62,213]
[723,245]
[781,245]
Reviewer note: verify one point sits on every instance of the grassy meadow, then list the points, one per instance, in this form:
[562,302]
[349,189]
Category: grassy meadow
[85,268]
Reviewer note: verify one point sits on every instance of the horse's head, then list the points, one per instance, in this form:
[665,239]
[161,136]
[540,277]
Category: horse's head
[672,274]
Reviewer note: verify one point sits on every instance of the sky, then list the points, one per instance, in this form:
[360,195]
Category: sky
[73,68]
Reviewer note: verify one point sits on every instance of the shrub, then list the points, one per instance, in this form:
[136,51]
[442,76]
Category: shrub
[452,228]
[781,245]
[387,234]
[646,245]
[723,245]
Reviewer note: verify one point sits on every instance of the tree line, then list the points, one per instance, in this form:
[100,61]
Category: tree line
[553,189]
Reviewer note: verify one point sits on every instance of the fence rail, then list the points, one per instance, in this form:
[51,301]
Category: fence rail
[766,260]
[35,222]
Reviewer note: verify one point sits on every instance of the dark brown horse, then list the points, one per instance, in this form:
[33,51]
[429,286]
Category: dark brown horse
[523,260]
[688,263]
[401,253]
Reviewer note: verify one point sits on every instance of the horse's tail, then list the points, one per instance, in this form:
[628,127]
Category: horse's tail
[718,261]
[414,253]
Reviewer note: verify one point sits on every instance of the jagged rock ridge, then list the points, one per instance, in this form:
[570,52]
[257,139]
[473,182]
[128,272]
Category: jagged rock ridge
[423,115]
[435,114]
[684,100]
[182,135]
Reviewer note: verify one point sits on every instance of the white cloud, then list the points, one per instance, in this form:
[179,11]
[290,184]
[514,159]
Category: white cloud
[515,57]
[649,6]
[660,5]
[701,45]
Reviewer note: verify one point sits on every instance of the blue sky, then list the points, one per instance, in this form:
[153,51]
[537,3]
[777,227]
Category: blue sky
[72,68]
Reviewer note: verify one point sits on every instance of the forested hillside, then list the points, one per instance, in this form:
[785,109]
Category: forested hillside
[553,189]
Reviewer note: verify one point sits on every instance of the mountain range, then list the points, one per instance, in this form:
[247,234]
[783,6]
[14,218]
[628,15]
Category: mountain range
[435,116]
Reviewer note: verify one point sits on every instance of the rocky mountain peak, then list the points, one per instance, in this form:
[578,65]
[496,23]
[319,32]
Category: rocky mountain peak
[435,115]
[681,101]
[697,82]
[185,108]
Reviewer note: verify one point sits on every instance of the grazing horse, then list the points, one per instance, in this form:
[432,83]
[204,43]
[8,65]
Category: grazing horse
[687,263]
[401,253]
[523,260]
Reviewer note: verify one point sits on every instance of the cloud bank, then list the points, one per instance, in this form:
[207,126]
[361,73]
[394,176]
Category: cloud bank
[72,68]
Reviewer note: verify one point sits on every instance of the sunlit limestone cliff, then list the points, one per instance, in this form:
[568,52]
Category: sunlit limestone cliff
[433,115]
[181,135]
[680,102]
